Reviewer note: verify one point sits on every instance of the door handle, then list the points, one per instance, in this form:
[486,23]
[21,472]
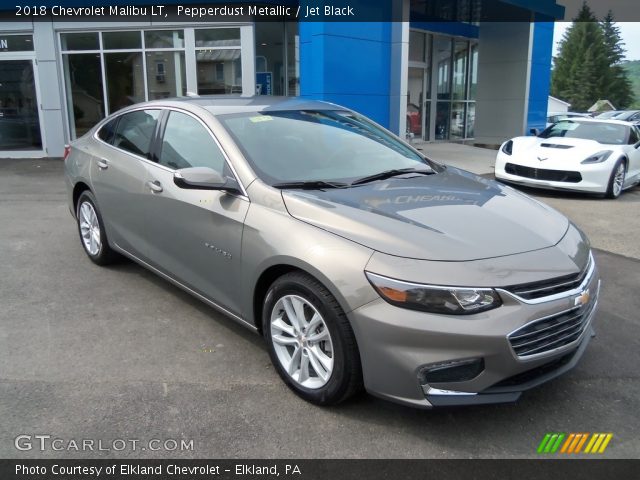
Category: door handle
[103,164]
[156,186]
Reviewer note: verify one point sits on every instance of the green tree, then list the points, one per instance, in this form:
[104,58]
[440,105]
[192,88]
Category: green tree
[618,88]
[587,67]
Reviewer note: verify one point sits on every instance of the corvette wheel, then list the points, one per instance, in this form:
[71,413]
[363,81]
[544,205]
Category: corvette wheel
[616,181]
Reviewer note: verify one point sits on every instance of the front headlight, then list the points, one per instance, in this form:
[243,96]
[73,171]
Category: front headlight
[508,147]
[598,157]
[434,299]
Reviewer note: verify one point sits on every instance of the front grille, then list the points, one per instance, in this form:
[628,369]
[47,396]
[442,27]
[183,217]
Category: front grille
[543,174]
[551,332]
[545,288]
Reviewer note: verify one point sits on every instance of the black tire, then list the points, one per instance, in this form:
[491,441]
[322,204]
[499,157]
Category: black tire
[610,187]
[105,254]
[346,377]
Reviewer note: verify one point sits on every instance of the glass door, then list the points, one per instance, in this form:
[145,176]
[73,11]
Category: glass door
[19,112]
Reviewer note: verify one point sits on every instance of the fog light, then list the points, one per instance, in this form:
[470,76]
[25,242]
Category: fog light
[453,371]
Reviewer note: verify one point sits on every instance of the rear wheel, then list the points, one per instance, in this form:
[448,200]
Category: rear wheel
[310,340]
[616,181]
[92,232]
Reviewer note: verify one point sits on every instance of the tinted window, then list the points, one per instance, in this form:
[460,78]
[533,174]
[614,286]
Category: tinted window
[633,136]
[187,143]
[108,130]
[135,130]
[306,145]
[607,133]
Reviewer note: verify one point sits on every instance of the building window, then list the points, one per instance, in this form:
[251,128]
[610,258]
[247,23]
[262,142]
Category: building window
[218,60]
[16,43]
[277,58]
[455,64]
[106,71]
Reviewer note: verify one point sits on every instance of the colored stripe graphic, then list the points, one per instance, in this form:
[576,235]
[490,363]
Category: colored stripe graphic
[572,443]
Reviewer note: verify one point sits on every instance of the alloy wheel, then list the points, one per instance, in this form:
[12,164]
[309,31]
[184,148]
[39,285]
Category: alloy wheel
[618,180]
[302,341]
[89,228]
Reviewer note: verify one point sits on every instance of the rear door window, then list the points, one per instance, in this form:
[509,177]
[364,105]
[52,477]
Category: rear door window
[135,130]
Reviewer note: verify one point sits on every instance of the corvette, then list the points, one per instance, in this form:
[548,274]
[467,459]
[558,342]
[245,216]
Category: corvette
[587,155]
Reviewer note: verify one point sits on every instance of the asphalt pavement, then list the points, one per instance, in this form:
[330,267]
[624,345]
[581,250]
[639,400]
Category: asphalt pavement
[117,353]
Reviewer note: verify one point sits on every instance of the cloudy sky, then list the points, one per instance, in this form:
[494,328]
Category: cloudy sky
[622,10]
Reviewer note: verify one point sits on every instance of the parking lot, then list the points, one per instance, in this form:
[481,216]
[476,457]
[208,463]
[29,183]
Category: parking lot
[118,353]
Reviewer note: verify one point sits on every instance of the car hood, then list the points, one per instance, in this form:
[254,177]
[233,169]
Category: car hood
[557,151]
[451,216]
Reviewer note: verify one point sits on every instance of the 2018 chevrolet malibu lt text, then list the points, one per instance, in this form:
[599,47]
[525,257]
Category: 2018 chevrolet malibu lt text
[361,262]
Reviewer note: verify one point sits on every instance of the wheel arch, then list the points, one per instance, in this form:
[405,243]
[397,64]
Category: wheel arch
[78,188]
[271,273]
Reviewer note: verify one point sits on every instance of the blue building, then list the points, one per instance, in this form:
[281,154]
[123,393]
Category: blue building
[459,78]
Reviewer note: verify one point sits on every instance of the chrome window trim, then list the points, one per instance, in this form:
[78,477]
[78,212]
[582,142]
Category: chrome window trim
[150,162]
[556,296]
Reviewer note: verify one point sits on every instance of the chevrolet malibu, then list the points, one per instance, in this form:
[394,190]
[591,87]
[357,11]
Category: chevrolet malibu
[362,263]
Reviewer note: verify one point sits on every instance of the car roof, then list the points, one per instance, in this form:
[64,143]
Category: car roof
[598,120]
[224,104]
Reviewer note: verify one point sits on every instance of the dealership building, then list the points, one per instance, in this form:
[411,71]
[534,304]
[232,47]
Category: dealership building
[465,77]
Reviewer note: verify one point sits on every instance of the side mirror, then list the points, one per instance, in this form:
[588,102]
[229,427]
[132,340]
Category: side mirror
[534,131]
[204,178]
[637,145]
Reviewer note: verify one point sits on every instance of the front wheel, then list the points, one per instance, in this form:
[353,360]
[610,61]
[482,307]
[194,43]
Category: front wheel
[310,340]
[616,180]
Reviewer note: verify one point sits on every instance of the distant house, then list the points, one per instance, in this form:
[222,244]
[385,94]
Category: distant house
[555,105]
[601,106]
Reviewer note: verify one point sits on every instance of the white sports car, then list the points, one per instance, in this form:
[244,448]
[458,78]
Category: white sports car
[589,155]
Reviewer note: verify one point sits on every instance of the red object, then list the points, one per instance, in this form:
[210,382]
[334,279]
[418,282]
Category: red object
[67,150]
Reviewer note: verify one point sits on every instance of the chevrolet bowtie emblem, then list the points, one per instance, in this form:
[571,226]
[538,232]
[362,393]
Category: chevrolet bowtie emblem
[542,159]
[583,299]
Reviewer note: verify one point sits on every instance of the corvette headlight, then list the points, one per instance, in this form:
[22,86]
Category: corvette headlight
[508,147]
[434,299]
[598,157]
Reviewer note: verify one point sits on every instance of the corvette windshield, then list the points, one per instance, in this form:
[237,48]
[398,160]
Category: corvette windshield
[317,146]
[601,132]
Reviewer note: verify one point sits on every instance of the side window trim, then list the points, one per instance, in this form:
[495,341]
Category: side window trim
[156,142]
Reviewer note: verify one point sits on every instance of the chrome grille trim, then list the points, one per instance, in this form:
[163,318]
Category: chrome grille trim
[585,277]
[568,330]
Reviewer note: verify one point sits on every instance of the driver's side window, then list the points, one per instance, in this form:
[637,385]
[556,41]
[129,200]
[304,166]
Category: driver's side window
[187,143]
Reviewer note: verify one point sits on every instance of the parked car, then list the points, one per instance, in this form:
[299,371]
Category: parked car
[608,115]
[414,120]
[587,155]
[556,117]
[632,116]
[361,262]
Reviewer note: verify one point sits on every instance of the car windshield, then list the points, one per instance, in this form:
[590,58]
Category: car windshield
[317,146]
[601,132]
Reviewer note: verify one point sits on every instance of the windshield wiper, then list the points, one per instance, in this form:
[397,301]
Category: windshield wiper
[311,185]
[391,173]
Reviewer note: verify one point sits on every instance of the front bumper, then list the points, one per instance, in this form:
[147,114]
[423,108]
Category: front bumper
[398,345]
[595,177]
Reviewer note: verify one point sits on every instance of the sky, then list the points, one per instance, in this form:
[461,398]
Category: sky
[622,9]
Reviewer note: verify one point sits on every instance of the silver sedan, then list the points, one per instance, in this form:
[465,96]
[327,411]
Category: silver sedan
[361,262]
